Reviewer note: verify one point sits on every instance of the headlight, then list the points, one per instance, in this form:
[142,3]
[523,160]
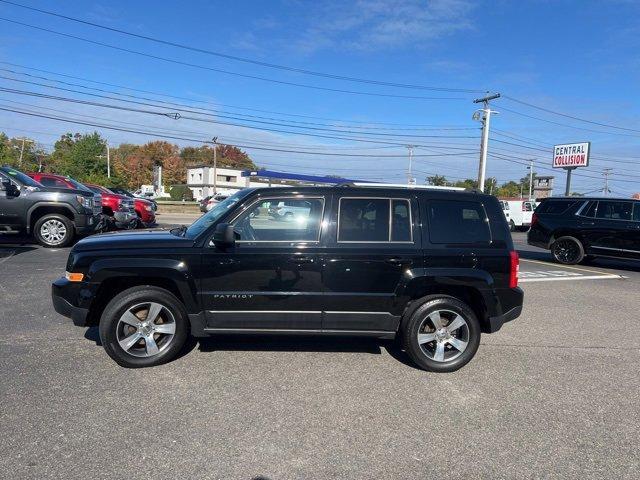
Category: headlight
[148,208]
[86,202]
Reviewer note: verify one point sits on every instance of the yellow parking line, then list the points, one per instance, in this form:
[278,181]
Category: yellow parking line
[559,265]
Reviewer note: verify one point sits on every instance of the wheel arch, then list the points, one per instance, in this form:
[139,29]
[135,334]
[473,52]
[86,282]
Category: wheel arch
[113,277]
[38,210]
[474,289]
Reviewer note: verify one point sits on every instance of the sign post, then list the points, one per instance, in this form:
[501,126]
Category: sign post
[569,157]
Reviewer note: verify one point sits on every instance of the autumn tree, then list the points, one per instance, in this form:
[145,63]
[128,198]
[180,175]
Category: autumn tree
[228,156]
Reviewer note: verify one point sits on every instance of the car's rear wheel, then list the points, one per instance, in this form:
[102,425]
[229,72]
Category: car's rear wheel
[54,230]
[567,250]
[143,326]
[442,335]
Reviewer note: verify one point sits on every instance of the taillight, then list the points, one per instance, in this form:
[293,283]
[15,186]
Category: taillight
[514,269]
[534,219]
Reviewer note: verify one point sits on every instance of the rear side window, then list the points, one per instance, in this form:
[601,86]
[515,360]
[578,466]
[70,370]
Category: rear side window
[612,210]
[52,182]
[590,210]
[555,207]
[456,222]
[374,220]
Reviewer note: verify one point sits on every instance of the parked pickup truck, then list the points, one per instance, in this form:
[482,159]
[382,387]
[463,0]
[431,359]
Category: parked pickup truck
[52,215]
[145,209]
[119,209]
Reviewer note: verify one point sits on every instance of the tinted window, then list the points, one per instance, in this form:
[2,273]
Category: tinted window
[555,207]
[614,210]
[278,220]
[369,219]
[52,182]
[636,211]
[590,210]
[400,221]
[458,222]
[20,178]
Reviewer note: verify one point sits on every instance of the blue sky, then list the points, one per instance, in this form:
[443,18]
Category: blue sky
[580,58]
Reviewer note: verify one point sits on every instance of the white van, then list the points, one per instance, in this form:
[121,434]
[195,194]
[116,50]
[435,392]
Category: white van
[518,213]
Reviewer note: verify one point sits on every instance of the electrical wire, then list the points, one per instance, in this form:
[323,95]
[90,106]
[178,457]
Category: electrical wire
[242,59]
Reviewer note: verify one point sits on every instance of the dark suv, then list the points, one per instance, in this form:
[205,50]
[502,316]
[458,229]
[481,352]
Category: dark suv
[433,267]
[575,229]
[52,215]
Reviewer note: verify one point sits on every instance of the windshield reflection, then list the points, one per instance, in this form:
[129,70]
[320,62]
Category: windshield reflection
[215,213]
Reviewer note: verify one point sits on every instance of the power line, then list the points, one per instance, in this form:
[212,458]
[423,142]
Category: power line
[226,72]
[172,115]
[568,116]
[177,97]
[231,117]
[215,111]
[176,137]
[242,59]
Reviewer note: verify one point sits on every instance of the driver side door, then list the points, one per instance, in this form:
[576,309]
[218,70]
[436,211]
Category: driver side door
[271,277]
[13,210]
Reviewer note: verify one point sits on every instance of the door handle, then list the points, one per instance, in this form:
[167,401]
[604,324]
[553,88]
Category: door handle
[399,261]
[300,260]
[227,261]
[587,224]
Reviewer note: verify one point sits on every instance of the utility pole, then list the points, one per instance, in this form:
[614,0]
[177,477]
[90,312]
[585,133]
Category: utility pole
[530,178]
[486,119]
[410,180]
[22,149]
[215,165]
[108,161]
[606,172]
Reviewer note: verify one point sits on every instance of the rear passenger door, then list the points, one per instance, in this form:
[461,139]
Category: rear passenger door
[458,236]
[610,232]
[373,245]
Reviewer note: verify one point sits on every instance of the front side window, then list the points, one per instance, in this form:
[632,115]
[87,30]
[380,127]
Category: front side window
[374,220]
[281,220]
[455,222]
[613,210]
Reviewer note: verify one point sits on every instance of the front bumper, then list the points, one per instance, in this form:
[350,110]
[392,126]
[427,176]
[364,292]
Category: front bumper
[125,218]
[62,294]
[87,224]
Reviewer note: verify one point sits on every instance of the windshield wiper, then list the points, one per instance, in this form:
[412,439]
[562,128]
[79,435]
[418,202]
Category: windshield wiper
[179,231]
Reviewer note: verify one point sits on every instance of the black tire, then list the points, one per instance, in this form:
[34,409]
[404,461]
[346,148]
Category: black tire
[110,326]
[43,225]
[420,319]
[512,226]
[567,250]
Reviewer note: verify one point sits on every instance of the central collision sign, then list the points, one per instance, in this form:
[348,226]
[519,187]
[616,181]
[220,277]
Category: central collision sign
[571,155]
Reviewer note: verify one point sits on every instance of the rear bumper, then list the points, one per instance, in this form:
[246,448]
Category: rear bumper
[511,308]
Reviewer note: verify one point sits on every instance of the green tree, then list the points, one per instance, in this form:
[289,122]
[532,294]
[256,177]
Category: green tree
[32,155]
[228,156]
[437,180]
[81,156]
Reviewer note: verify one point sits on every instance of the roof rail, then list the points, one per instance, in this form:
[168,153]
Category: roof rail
[402,185]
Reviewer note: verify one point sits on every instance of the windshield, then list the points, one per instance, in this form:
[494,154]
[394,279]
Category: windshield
[212,216]
[77,185]
[20,177]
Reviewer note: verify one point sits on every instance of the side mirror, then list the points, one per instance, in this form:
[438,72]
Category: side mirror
[224,236]
[11,190]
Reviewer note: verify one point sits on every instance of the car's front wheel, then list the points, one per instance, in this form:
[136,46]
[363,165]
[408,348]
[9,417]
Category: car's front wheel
[144,326]
[54,230]
[442,335]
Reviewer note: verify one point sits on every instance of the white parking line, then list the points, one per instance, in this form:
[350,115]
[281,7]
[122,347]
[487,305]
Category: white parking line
[573,277]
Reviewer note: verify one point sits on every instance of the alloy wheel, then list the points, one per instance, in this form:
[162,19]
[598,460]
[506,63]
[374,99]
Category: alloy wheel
[53,232]
[146,329]
[443,335]
[566,251]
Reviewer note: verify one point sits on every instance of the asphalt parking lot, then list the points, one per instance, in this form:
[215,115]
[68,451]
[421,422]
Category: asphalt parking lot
[554,394]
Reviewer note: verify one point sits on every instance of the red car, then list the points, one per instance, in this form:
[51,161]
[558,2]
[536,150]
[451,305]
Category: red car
[145,209]
[118,207]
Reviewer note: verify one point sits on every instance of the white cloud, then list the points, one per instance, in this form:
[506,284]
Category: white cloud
[382,24]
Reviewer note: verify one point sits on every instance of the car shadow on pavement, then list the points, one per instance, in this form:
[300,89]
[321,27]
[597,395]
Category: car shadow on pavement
[289,344]
[629,265]
[93,335]
[7,251]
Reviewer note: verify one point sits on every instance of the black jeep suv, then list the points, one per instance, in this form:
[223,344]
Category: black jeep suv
[52,215]
[575,229]
[433,267]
